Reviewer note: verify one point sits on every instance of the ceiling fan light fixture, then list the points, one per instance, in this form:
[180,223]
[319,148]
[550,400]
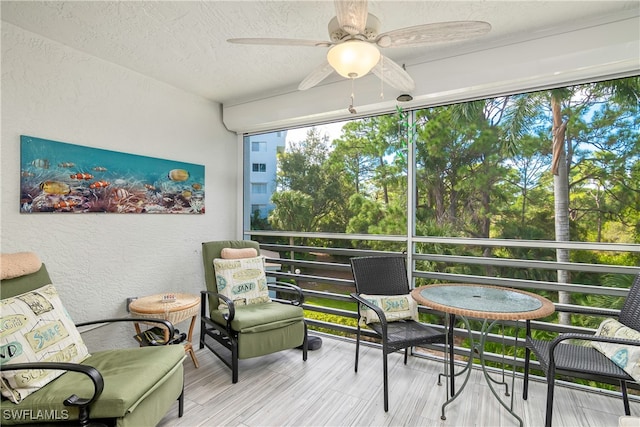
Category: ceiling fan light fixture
[353,58]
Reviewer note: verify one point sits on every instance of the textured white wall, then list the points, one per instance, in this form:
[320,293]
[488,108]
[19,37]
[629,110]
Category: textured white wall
[97,260]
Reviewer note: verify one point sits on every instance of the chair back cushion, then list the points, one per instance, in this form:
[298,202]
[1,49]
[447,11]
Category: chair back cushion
[243,280]
[36,327]
[384,275]
[395,307]
[626,357]
[212,250]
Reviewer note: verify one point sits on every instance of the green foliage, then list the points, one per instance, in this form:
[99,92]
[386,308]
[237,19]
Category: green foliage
[482,169]
[331,318]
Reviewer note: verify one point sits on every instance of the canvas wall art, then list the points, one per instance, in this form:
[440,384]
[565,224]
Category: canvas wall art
[61,177]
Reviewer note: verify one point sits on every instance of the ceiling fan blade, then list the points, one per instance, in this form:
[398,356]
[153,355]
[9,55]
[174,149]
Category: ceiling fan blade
[352,15]
[316,76]
[393,74]
[281,42]
[439,32]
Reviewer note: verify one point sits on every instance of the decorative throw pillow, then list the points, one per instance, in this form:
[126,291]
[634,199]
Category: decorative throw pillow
[35,327]
[395,307]
[238,253]
[626,357]
[242,280]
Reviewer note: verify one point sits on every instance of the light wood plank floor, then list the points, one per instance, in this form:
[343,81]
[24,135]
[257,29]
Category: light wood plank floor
[281,390]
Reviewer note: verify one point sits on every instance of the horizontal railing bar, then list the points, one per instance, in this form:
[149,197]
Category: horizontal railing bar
[515,243]
[523,284]
[312,264]
[333,251]
[543,265]
[591,311]
[310,278]
[329,295]
[336,236]
[330,310]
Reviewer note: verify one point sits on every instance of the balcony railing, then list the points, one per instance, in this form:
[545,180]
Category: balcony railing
[319,263]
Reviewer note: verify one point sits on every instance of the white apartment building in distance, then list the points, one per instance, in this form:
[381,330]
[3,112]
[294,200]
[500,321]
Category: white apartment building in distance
[262,162]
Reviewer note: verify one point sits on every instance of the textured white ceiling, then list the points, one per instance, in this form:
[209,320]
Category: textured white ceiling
[183,43]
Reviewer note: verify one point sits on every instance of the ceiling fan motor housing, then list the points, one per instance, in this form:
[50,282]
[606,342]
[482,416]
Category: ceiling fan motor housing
[371,30]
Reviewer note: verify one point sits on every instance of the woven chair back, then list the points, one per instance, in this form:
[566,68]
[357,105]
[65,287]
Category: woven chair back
[630,313]
[380,275]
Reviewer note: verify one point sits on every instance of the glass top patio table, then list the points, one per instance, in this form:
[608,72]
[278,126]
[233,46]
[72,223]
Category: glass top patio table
[483,301]
[493,304]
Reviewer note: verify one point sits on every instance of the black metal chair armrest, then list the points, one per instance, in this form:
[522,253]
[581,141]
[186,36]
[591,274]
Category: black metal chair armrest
[73,400]
[294,289]
[166,323]
[230,306]
[378,310]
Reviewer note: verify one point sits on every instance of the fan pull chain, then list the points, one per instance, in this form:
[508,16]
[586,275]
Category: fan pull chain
[351,108]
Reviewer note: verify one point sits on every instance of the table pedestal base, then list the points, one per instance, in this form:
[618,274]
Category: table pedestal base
[477,347]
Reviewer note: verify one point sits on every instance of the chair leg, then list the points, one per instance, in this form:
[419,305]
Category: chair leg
[234,362]
[527,358]
[549,415]
[305,344]
[181,403]
[386,380]
[625,397]
[357,347]
[202,334]
[406,354]
[525,384]
[452,372]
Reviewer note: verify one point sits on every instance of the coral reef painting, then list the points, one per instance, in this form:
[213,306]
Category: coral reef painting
[62,177]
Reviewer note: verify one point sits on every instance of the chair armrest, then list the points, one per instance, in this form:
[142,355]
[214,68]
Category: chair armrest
[588,337]
[378,310]
[583,337]
[289,287]
[166,323]
[230,306]
[73,400]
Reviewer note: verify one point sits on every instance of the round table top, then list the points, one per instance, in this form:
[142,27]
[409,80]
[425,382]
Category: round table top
[483,301]
[154,304]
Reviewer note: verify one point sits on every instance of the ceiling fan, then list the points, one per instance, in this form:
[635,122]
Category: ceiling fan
[355,41]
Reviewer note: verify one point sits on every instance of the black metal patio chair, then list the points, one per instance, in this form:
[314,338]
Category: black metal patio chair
[558,357]
[387,276]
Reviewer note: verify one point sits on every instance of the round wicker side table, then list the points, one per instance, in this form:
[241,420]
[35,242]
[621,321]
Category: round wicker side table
[184,306]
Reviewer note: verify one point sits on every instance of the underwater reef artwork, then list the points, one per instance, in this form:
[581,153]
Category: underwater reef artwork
[61,177]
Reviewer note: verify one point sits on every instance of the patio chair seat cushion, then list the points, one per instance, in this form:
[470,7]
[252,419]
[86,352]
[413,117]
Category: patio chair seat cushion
[120,369]
[261,317]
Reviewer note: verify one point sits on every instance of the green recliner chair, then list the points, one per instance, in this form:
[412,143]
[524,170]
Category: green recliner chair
[120,387]
[251,330]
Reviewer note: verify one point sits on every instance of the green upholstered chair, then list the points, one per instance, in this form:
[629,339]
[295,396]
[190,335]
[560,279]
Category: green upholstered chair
[120,387]
[246,331]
